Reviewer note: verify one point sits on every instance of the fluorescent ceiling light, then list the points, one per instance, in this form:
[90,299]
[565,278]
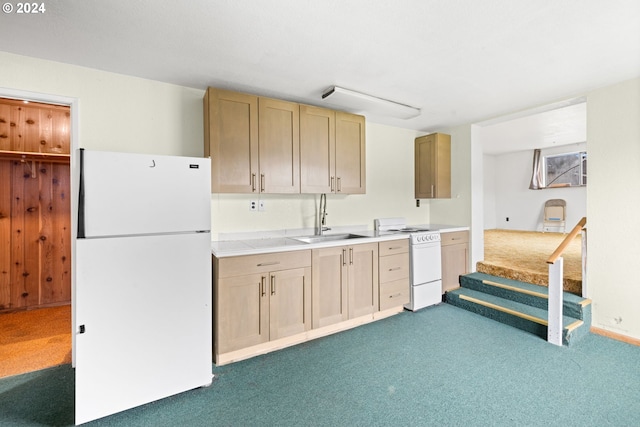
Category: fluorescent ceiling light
[361,103]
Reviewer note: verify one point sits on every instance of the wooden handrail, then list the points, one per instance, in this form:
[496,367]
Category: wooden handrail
[560,249]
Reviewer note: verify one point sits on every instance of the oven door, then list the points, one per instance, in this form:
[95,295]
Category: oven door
[426,263]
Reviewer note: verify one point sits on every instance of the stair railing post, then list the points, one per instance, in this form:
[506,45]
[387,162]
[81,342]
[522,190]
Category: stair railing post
[584,262]
[554,329]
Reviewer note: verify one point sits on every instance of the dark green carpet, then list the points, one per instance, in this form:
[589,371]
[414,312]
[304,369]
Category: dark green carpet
[438,366]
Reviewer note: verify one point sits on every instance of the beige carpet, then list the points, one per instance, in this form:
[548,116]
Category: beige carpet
[34,339]
[522,255]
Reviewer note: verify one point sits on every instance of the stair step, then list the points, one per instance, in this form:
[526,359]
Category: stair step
[527,293]
[526,317]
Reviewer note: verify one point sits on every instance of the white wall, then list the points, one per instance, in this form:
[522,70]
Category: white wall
[118,113]
[457,209]
[507,179]
[489,190]
[613,137]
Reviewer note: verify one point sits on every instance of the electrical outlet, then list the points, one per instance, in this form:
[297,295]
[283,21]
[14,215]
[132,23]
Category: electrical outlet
[507,219]
[253,205]
[261,205]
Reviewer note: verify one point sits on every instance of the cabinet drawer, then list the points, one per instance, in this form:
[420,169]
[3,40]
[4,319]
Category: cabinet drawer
[393,294]
[393,247]
[263,263]
[393,267]
[454,238]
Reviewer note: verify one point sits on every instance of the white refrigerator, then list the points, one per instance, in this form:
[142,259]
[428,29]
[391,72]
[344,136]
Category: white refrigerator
[142,320]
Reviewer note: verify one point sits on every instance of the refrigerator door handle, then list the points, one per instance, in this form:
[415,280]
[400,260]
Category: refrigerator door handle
[81,218]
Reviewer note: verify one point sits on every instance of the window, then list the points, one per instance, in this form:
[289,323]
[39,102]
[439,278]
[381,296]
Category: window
[569,169]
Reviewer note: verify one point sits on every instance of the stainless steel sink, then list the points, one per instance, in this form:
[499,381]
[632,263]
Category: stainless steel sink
[327,238]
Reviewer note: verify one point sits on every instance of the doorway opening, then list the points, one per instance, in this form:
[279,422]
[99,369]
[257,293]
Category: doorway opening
[511,222]
[35,235]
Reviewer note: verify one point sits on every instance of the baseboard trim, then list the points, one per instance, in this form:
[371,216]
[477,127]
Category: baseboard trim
[615,336]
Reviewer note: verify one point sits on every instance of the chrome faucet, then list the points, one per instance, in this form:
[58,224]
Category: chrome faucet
[323,214]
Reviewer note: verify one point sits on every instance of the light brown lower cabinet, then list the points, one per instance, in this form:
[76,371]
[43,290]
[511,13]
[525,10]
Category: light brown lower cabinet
[455,258]
[273,301]
[394,273]
[270,301]
[344,283]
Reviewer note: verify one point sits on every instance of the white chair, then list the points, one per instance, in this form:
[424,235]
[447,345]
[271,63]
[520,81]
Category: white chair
[554,215]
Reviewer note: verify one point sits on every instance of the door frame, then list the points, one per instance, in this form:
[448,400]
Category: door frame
[74,133]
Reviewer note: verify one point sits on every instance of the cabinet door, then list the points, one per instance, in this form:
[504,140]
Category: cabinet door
[290,302]
[350,154]
[279,146]
[329,285]
[433,166]
[317,150]
[363,279]
[425,166]
[242,312]
[455,259]
[231,139]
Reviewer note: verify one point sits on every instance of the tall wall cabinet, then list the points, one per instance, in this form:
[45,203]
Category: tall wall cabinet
[433,166]
[264,145]
[35,210]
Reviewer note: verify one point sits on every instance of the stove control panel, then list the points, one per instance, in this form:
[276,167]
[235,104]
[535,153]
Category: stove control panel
[428,237]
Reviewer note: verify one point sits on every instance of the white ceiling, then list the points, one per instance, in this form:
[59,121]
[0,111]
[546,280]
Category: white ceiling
[554,126]
[459,61]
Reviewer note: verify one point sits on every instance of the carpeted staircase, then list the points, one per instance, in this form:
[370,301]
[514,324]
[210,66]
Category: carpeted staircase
[519,304]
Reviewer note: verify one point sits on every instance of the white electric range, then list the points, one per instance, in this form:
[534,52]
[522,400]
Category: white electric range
[425,261]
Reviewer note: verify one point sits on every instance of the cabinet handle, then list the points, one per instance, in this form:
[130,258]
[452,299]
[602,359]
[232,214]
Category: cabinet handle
[393,248]
[331,185]
[273,284]
[350,256]
[339,180]
[261,182]
[395,295]
[432,190]
[262,264]
[457,238]
[253,182]
[394,269]
[262,286]
[344,257]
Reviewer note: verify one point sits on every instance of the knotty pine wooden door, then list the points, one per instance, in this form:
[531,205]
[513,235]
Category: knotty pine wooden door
[35,210]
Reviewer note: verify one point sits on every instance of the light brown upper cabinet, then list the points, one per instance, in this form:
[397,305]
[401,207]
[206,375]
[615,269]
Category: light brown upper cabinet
[279,146]
[332,151]
[433,166]
[253,143]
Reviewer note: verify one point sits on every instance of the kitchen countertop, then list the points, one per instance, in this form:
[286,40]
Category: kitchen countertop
[227,248]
